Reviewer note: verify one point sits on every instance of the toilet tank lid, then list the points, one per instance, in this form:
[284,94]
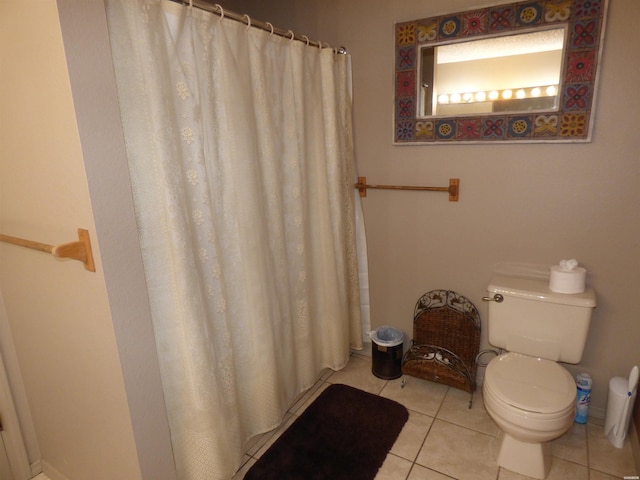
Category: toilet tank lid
[537,288]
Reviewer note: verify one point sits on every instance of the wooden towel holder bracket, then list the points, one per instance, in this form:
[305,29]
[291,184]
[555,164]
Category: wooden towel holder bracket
[453,189]
[80,250]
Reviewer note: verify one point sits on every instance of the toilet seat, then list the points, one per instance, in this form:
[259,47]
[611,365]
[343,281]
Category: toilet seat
[531,385]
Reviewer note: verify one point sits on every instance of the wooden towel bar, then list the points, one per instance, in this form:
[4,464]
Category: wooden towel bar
[453,189]
[80,250]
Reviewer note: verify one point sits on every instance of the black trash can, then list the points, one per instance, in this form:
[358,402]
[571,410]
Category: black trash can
[386,352]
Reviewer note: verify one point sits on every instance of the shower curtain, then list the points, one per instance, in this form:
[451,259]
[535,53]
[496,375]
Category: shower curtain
[241,162]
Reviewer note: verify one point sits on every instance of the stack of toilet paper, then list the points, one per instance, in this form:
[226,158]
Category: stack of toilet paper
[567,277]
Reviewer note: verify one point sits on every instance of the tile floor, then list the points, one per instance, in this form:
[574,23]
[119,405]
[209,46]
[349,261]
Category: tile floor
[444,440]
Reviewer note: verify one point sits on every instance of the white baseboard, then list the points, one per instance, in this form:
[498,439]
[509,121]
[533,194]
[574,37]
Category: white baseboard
[51,472]
[597,412]
[36,468]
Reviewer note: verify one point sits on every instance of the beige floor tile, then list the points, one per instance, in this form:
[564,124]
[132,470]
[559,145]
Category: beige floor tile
[572,445]
[459,452]
[604,457]
[418,395]
[560,470]
[455,409]
[394,468]
[418,472]
[596,475]
[505,474]
[566,470]
[358,374]
[412,436]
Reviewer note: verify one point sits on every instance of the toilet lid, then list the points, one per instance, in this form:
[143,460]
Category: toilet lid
[529,383]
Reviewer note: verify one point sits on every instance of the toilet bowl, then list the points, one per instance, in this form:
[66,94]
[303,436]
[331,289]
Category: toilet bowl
[532,400]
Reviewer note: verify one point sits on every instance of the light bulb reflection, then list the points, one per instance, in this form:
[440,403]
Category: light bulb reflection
[497,95]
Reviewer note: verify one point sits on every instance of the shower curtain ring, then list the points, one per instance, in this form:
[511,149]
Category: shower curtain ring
[268,24]
[219,7]
[248,21]
[293,36]
[306,39]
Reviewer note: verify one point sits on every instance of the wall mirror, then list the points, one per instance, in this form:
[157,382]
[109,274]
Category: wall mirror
[517,72]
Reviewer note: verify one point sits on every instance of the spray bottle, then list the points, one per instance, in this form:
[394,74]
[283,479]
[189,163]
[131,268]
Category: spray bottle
[583,397]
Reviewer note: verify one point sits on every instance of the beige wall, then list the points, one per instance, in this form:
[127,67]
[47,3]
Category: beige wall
[532,203]
[526,203]
[57,311]
[280,13]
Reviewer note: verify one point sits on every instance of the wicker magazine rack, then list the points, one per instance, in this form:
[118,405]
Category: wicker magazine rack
[446,340]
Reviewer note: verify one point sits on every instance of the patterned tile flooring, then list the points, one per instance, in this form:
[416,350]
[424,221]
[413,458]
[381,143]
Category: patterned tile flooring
[445,440]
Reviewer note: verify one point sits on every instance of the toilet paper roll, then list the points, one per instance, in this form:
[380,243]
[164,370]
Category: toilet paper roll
[567,281]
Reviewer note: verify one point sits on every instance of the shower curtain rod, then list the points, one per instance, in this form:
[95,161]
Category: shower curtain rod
[250,22]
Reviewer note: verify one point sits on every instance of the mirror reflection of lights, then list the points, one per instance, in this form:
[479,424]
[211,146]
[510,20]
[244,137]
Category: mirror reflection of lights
[494,95]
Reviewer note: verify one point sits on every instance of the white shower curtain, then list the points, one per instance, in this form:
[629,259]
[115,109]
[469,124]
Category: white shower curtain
[241,161]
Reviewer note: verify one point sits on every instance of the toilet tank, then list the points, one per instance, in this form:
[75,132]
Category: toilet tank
[535,321]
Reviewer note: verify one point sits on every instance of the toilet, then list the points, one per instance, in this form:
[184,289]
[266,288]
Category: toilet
[529,395]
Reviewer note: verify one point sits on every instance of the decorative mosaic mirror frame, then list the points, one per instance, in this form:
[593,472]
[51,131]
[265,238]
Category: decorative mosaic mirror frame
[572,122]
